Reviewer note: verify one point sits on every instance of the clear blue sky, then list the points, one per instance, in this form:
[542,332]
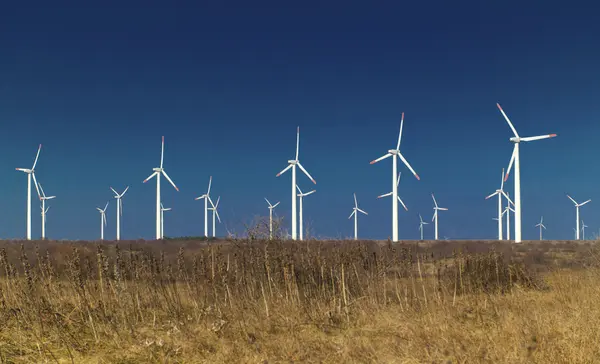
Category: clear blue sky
[99,84]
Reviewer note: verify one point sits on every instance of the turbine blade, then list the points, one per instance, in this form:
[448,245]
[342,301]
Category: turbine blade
[508,121]
[149,177]
[42,190]
[36,184]
[355,202]
[297,142]
[442,208]
[115,192]
[400,134]
[36,157]
[508,198]
[385,195]
[299,190]
[218,217]
[209,184]
[268,202]
[434,201]
[539,137]
[126,188]
[310,193]
[217,204]
[398,182]
[408,165]
[306,173]
[284,170]
[352,214]
[512,160]
[434,215]
[276,204]
[583,203]
[169,179]
[364,212]
[105,206]
[502,179]
[570,198]
[403,205]
[420,218]
[49,198]
[387,155]
[162,151]
[492,195]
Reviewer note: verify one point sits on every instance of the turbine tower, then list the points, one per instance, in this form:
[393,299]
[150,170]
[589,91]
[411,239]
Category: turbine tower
[162,220]
[43,198]
[206,197]
[102,220]
[354,213]
[577,206]
[421,223]
[271,207]
[541,226]
[507,211]
[515,159]
[120,210]
[435,215]
[292,165]
[500,192]
[215,213]
[157,172]
[301,197]
[396,153]
[30,174]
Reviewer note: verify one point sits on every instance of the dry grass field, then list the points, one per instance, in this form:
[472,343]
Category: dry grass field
[186,301]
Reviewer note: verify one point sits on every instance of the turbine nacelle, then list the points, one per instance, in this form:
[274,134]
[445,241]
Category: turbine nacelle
[157,169]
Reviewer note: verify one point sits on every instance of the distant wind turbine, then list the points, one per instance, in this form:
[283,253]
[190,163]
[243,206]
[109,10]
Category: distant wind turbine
[500,192]
[354,213]
[396,153]
[271,207]
[421,223]
[30,174]
[515,159]
[435,215]
[577,206]
[43,198]
[157,172]
[301,197]
[541,226]
[507,211]
[206,197]
[120,210]
[102,220]
[292,165]
[162,220]
[583,226]
[215,213]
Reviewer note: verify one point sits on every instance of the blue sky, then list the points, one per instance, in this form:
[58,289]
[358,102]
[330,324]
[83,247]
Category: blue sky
[227,84]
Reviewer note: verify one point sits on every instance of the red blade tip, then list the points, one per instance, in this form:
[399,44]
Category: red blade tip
[372,162]
[418,179]
[177,189]
[499,107]
[505,177]
[552,135]
[313,181]
[278,174]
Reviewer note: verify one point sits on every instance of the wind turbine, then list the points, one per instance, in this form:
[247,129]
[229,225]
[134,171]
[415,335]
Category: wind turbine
[30,174]
[43,198]
[507,211]
[162,220]
[435,215]
[396,153]
[421,223]
[271,207]
[215,212]
[206,197]
[515,159]
[583,226]
[354,213]
[541,226]
[157,172]
[102,220]
[292,165]
[391,193]
[301,197]
[577,206]
[120,210]
[500,192]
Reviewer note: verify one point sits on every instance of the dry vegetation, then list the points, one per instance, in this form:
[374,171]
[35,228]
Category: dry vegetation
[270,302]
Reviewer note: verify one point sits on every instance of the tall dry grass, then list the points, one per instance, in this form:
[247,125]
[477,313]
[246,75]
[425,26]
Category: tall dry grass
[307,302]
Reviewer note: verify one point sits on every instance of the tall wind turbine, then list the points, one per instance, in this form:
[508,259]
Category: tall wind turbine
[43,198]
[301,197]
[577,206]
[421,223]
[354,213]
[435,215]
[396,153]
[30,174]
[120,210]
[500,192]
[215,213]
[391,193]
[102,220]
[583,226]
[541,226]
[515,159]
[271,207]
[157,172]
[292,165]
[206,197]
[162,220]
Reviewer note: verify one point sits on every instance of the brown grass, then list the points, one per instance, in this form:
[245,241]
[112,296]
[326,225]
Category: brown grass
[186,301]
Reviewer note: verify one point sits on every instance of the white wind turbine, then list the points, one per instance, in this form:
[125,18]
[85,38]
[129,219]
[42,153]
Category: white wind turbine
[215,213]
[162,220]
[396,153]
[120,210]
[292,165]
[157,172]
[500,192]
[30,174]
[435,215]
[515,159]
[577,206]
[541,226]
[354,213]
[43,198]
[102,220]
[206,197]
[507,211]
[301,197]
[271,207]
[421,223]
[583,226]
[391,193]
